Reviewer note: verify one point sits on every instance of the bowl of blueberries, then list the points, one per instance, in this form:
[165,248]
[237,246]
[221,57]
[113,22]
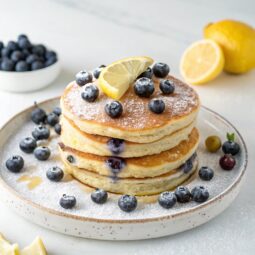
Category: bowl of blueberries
[25,66]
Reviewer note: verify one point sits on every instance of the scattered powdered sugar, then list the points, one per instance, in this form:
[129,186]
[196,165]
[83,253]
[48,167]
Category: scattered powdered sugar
[48,193]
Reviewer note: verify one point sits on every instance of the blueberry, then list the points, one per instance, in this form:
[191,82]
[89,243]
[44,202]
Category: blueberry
[144,87]
[90,93]
[31,58]
[167,199]
[182,194]
[67,202]
[15,164]
[99,196]
[28,144]
[24,43]
[55,174]
[127,203]
[11,45]
[38,115]
[7,65]
[227,162]
[167,87]
[114,109]
[52,119]
[38,50]
[41,132]
[17,56]
[22,36]
[206,173]
[230,147]
[70,159]
[148,73]
[160,70]
[50,54]
[25,53]
[37,65]
[57,128]
[6,52]
[22,66]
[83,77]
[57,110]
[97,71]
[187,166]
[115,145]
[42,153]
[115,164]
[199,194]
[1,45]
[157,105]
[51,61]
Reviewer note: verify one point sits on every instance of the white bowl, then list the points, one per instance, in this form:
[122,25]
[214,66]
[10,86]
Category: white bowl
[29,80]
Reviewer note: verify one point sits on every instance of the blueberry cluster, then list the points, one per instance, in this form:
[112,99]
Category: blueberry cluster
[182,194]
[22,55]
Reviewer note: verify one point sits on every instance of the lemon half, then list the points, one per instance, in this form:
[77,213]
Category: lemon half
[201,62]
[116,78]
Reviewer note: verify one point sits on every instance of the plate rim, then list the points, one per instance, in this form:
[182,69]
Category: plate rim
[130,221]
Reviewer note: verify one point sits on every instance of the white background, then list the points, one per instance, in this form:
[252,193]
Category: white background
[89,33]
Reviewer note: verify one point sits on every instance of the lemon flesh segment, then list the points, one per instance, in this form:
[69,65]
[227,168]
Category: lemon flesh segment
[201,62]
[8,249]
[36,247]
[116,78]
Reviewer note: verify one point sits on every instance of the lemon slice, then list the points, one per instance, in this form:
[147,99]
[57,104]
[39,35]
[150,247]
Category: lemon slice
[35,248]
[115,79]
[8,249]
[202,62]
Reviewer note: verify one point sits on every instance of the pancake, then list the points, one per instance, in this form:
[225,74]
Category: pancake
[133,186]
[74,138]
[137,123]
[140,167]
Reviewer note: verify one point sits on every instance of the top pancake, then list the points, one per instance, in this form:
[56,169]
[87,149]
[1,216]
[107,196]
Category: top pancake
[137,123]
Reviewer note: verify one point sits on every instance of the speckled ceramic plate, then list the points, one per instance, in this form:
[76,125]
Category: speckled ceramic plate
[36,198]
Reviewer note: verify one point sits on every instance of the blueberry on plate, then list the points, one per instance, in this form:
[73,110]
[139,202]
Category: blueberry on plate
[31,58]
[27,144]
[58,128]
[167,87]
[230,146]
[24,43]
[67,202]
[160,70]
[7,65]
[199,194]
[167,199]
[147,74]
[90,92]
[38,50]
[15,164]
[11,45]
[55,174]
[37,65]
[157,105]
[99,196]
[41,132]
[42,153]
[22,66]
[83,77]
[38,115]
[127,203]
[182,194]
[144,87]
[227,162]
[97,71]
[57,110]
[17,56]
[205,173]
[52,119]
[114,109]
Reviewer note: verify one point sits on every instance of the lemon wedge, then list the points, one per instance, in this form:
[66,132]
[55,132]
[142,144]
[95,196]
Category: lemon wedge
[36,247]
[115,79]
[202,62]
[6,248]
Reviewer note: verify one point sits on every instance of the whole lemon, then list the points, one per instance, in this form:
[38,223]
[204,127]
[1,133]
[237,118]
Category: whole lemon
[237,41]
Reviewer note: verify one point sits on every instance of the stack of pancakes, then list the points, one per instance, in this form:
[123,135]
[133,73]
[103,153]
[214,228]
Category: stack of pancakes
[140,153]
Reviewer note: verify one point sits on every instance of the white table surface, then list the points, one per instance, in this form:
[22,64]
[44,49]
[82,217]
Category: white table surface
[89,33]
